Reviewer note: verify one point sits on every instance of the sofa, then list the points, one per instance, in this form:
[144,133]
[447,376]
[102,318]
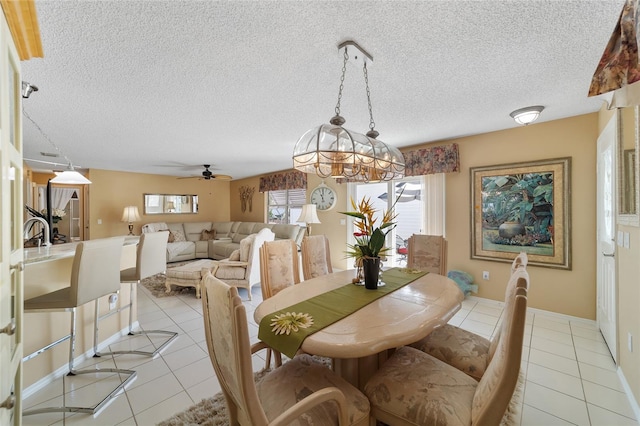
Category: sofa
[215,240]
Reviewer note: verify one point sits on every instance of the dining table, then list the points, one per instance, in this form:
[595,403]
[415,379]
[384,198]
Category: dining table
[361,341]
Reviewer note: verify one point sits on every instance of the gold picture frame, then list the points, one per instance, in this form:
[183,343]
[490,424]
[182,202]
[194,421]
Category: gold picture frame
[522,207]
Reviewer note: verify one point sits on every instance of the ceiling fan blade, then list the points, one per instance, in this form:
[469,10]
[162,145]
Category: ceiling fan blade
[221,177]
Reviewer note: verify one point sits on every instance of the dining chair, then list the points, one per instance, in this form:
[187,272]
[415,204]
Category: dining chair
[279,266]
[465,350]
[316,258]
[414,388]
[520,260]
[427,253]
[242,268]
[278,270]
[150,260]
[301,392]
[95,274]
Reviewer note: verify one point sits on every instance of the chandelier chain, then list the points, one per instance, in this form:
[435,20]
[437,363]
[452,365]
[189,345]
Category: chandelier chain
[344,71]
[372,124]
[24,112]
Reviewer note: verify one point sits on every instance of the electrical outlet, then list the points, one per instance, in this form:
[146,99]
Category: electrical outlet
[485,275]
[630,342]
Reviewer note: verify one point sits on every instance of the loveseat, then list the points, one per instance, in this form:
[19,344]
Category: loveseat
[215,240]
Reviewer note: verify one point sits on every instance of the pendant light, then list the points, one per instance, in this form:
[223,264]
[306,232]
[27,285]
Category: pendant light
[330,150]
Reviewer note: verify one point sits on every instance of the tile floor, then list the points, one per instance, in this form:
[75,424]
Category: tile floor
[570,376]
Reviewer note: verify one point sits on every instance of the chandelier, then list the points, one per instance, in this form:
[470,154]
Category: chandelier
[330,150]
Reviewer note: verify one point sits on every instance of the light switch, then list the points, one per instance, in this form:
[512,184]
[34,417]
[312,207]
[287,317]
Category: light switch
[626,240]
[99,221]
[343,221]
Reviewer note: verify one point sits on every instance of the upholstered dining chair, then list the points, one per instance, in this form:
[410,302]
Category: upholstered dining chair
[520,261]
[301,392]
[278,270]
[316,258]
[151,255]
[95,274]
[427,253]
[465,350]
[414,388]
[242,268]
[279,266]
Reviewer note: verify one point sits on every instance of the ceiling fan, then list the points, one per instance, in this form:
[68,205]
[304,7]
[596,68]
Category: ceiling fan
[208,175]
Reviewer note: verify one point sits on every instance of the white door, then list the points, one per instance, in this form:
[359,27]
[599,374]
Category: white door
[606,211]
[11,220]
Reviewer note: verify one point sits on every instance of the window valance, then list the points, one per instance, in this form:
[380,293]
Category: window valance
[432,160]
[285,180]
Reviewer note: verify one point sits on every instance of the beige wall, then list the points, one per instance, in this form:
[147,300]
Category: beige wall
[111,191]
[568,292]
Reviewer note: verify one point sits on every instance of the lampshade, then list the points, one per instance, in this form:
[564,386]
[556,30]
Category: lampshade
[171,205]
[70,177]
[527,115]
[130,214]
[308,214]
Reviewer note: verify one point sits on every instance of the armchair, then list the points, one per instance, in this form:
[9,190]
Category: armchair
[242,268]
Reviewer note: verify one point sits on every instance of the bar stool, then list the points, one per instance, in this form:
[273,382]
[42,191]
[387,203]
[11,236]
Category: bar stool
[95,274]
[151,256]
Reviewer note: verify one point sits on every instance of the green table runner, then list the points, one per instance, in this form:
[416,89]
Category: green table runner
[329,307]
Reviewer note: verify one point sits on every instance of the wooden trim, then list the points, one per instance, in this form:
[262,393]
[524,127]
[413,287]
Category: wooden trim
[23,23]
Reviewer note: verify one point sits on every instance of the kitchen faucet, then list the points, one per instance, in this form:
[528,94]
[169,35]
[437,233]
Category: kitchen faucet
[47,239]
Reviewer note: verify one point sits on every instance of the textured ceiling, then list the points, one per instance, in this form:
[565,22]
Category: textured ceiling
[166,86]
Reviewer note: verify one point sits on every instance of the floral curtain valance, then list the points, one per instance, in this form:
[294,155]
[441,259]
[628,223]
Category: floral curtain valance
[619,66]
[285,180]
[432,160]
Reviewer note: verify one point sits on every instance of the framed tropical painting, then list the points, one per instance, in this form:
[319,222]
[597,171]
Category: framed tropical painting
[522,207]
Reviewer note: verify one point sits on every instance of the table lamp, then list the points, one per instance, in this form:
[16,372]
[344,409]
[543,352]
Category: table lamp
[130,214]
[308,215]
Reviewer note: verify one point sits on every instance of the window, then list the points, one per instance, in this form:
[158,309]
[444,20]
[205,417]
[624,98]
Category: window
[420,209]
[285,206]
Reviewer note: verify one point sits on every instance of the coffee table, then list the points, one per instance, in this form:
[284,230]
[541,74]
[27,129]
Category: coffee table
[190,274]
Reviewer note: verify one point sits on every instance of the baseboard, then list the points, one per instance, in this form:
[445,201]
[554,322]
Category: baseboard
[540,311]
[627,390]
[64,369]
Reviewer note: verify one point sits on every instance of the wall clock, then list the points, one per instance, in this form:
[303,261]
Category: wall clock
[323,197]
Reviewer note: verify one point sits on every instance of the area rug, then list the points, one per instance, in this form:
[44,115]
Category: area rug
[213,411]
[155,283]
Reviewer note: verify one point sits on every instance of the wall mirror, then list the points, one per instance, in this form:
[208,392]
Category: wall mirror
[170,204]
[628,176]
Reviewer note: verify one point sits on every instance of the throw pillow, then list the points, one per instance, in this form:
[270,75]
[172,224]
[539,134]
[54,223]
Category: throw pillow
[235,255]
[178,236]
[171,237]
[206,235]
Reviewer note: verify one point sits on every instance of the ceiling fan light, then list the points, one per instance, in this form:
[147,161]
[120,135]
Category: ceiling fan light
[527,115]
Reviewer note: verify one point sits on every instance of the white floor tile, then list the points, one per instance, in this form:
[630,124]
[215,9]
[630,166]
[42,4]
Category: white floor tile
[596,359]
[600,416]
[554,362]
[601,376]
[608,399]
[546,345]
[534,417]
[556,403]
[552,379]
[164,409]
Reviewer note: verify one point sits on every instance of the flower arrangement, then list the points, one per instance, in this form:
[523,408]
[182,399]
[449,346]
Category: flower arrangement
[56,214]
[369,237]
